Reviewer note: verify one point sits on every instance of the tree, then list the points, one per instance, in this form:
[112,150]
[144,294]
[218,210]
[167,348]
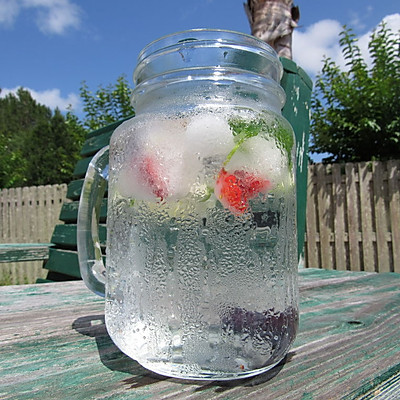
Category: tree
[108,104]
[42,147]
[54,162]
[273,22]
[38,146]
[356,113]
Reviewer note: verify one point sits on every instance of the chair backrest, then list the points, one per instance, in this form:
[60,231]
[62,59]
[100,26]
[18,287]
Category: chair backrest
[298,87]
[63,259]
[62,263]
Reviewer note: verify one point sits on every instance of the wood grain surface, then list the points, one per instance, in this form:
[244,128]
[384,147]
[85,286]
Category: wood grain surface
[54,345]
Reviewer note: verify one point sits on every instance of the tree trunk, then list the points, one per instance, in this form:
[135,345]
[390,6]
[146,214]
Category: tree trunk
[273,22]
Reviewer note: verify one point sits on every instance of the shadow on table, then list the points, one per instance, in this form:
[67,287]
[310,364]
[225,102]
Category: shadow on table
[111,357]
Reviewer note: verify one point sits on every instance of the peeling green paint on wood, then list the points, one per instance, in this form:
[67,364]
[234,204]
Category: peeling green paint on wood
[54,345]
[15,252]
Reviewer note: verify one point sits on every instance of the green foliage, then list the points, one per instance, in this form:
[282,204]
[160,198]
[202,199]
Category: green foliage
[41,147]
[108,104]
[243,130]
[38,146]
[53,150]
[356,113]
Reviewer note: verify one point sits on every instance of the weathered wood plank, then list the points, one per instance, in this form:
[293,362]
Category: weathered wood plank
[312,259]
[64,236]
[96,143]
[297,86]
[81,167]
[17,252]
[28,215]
[64,261]
[12,216]
[69,211]
[74,189]
[3,215]
[394,209]
[339,198]
[99,138]
[110,127]
[366,205]
[380,216]
[352,216]
[324,213]
[389,389]
[54,345]
[370,236]
[40,214]
[21,234]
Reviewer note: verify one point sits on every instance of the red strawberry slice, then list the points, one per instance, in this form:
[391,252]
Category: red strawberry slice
[150,173]
[235,190]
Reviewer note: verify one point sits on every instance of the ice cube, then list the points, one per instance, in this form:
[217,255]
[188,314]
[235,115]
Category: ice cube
[130,185]
[156,169]
[260,157]
[207,135]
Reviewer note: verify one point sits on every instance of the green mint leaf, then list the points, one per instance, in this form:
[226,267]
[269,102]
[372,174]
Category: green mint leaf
[242,130]
[285,138]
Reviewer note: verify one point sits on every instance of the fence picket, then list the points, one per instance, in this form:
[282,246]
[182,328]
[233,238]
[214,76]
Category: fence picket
[366,205]
[338,194]
[380,216]
[324,214]
[352,216]
[353,219]
[311,245]
[393,167]
[28,215]
[11,213]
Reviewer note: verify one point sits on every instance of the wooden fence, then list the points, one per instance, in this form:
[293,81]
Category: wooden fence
[28,215]
[353,219]
[353,216]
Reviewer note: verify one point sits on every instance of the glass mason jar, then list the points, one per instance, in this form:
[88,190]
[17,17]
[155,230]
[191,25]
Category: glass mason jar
[201,275]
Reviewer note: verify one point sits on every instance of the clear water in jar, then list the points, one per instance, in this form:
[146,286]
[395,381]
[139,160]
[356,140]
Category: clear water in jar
[201,256]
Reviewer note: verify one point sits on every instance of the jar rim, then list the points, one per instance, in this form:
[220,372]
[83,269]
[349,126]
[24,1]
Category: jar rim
[217,76]
[204,37]
[216,56]
[205,34]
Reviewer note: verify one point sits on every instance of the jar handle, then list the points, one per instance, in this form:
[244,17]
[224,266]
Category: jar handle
[91,263]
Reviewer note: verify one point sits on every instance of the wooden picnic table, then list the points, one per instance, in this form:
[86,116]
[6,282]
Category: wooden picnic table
[54,345]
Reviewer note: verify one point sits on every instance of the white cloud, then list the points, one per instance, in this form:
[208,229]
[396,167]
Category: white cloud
[392,22]
[51,16]
[55,16]
[51,98]
[318,40]
[9,10]
[322,40]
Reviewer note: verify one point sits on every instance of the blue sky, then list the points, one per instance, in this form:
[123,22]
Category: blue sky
[51,46]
